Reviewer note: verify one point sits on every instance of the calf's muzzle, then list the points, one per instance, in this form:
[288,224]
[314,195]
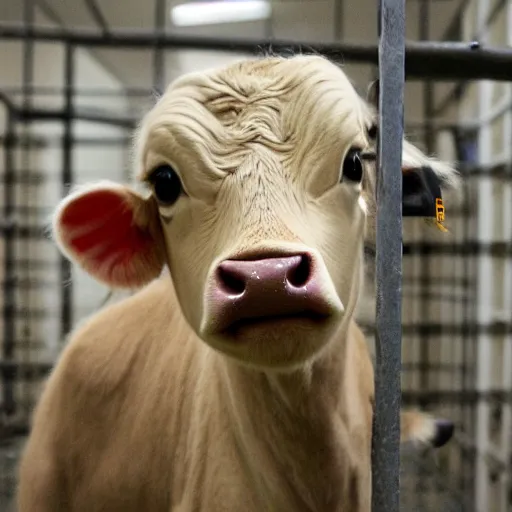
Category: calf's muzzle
[246,291]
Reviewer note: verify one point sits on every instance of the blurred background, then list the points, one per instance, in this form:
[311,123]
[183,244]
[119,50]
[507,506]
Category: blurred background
[67,114]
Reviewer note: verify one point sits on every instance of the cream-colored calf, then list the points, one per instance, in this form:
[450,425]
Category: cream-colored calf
[236,378]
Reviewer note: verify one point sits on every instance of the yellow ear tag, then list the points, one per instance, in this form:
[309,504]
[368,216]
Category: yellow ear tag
[440,215]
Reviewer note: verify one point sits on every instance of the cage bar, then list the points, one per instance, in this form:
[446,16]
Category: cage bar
[67,181]
[388,328]
[9,286]
[158,49]
[434,60]
[485,285]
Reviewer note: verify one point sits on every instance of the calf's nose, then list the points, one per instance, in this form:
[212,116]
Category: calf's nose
[268,287]
[276,275]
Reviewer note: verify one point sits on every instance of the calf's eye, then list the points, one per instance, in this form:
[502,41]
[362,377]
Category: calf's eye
[352,167]
[166,184]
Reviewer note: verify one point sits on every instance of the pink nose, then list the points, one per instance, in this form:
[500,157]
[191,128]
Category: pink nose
[270,287]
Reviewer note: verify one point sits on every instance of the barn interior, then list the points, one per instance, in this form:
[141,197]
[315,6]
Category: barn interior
[77,75]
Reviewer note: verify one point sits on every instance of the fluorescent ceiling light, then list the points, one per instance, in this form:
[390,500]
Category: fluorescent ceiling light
[209,13]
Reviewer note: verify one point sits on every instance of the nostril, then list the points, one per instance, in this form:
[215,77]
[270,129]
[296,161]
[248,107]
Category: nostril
[230,282]
[299,275]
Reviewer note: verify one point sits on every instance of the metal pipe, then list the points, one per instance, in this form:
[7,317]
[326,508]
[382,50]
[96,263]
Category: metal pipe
[46,142]
[67,180]
[84,91]
[435,60]
[158,49]
[338,20]
[27,82]
[466,309]
[78,115]
[388,322]
[425,259]
[9,233]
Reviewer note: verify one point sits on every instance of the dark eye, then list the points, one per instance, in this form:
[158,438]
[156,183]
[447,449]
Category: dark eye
[352,167]
[166,184]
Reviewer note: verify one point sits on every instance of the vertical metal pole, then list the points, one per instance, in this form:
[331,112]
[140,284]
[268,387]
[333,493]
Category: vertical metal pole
[9,310]
[269,25]
[338,20]
[158,52]
[485,275]
[506,424]
[388,343]
[425,257]
[9,214]
[460,139]
[26,160]
[67,181]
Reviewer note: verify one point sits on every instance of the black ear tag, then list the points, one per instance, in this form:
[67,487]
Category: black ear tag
[421,196]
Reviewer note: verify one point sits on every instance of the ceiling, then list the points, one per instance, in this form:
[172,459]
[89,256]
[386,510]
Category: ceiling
[304,20]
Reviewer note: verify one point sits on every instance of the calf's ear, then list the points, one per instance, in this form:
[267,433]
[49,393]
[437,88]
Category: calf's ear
[112,232]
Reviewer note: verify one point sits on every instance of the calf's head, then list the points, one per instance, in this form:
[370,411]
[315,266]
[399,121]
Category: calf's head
[260,184]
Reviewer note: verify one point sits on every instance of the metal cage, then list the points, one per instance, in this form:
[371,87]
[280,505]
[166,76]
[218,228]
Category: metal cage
[449,298]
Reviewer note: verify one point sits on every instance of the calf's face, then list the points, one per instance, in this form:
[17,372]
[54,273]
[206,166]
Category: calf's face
[258,196]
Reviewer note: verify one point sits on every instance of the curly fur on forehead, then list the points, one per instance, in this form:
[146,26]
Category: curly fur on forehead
[300,107]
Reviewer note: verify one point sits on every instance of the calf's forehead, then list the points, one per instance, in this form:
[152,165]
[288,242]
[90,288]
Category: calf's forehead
[284,104]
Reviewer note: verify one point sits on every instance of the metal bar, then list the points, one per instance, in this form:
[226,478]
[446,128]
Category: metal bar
[436,329]
[388,331]
[84,91]
[78,114]
[505,444]
[9,262]
[47,142]
[485,279]
[269,25]
[424,301]
[26,296]
[67,180]
[436,60]
[467,248]
[466,307]
[97,16]
[425,260]
[338,20]
[456,397]
[158,49]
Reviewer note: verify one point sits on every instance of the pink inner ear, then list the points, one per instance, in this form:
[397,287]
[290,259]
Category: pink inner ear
[105,221]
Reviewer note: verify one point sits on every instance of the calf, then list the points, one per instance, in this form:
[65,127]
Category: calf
[236,378]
